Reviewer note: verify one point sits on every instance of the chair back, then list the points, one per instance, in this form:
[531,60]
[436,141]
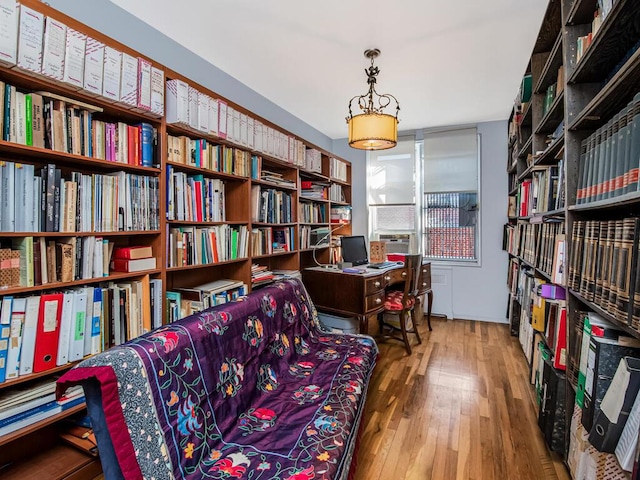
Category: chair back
[411,276]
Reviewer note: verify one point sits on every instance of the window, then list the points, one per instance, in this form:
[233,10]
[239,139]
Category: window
[450,195]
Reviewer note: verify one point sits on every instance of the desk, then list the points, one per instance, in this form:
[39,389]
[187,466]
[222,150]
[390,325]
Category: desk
[360,295]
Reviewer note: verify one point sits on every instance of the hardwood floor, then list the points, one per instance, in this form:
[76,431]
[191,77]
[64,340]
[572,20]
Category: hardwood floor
[460,407]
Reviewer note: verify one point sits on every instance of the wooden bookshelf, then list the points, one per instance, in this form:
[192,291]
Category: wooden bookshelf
[54,459]
[595,89]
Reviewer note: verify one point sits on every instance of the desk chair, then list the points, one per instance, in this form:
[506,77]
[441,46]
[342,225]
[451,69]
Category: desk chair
[400,304]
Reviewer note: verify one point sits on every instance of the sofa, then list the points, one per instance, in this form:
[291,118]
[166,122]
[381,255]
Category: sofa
[249,389]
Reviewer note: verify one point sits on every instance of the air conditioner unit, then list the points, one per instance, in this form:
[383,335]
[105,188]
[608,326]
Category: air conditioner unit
[398,242]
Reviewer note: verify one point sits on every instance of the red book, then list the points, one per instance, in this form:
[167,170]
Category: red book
[197,186]
[132,253]
[47,333]
[137,265]
[306,184]
[560,357]
[133,147]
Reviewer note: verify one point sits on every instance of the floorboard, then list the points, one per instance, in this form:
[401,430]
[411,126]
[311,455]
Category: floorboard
[460,407]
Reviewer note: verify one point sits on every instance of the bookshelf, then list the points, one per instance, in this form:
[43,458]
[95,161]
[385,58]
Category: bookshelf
[180,184]
[579,136]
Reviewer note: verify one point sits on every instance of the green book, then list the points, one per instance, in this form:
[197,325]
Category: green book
[25,246]
[28,105]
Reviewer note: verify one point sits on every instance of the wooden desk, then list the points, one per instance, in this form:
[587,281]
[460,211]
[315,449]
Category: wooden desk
[359,295]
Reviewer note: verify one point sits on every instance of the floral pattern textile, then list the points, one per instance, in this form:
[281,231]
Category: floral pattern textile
[249,389]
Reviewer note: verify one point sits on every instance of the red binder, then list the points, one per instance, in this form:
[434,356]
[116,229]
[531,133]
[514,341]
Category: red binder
[47,334]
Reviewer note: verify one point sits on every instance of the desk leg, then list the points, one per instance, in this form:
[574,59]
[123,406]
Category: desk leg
[429,304]
[364,324]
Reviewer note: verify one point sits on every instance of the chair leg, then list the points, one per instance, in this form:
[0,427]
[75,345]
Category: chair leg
[415,326]
[403,328]
[429,303]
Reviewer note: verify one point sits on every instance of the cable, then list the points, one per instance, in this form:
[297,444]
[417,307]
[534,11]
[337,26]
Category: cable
[315,247]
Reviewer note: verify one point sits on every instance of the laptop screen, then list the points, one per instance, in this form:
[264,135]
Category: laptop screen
[354,250]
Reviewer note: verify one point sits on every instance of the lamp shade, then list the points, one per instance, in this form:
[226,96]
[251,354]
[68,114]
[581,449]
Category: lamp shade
[373,131]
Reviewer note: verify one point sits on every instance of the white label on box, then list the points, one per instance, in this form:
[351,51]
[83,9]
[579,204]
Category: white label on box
[30,39]
[112,72]
[222,119]
[144,84]
[50,316]
[53,52]
[213,116]
[74,58]
[157,91]
[93,66]
[129,80]
[203,112]
[8,31]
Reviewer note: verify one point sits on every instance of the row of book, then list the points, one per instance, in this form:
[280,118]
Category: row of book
[336,193]
[604,266]
[270,240]
[41,332]
[183,302]
[338,170]
[609,157]
[261,275]
[203,154]
[25,405]
[45,46]
[277,178]
[269,205]
[312,212]
[314,190]
[46,120]
[540,245]
[46,201]
[195,197]
[314,236]
[203,246]
[189,107]
[44,261]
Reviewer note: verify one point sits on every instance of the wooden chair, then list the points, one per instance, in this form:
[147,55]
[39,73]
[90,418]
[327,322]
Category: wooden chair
[400,304]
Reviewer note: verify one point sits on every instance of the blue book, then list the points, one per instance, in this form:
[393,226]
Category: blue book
[7,112]
[5,332]
[146,144]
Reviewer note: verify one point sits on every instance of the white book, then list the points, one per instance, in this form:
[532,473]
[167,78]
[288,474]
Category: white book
[74,58]
[15,337]
[157,91]
[265,138]
[78,320]
[203,112]
[257,135]
[19,178]
[115,313]
[88,320]
[213,116]
[8,196]
[88,244]
[193,107]
[30,39]
[111,73]
[222,119]
[21,120]
[156,287]
[36,202]
[93,66]
[233,124]
[244,129]
[66,327]
[129,80]
[29,335]
[251,125]
[53,50]
[144,84]
[9,16]
[97,258]
[43,260]
[177,102]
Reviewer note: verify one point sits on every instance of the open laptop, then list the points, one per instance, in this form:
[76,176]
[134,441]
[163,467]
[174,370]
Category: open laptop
[354,251]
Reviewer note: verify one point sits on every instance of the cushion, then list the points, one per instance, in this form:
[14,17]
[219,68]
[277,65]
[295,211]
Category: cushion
[393,301]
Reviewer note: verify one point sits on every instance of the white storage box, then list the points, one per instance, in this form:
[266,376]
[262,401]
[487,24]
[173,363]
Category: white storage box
[338,324]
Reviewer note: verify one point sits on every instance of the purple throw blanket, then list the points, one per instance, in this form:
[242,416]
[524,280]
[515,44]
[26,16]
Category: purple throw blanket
[250,389]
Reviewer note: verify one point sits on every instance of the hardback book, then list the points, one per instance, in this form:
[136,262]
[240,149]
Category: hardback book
[53,51]
[30,39]
[74,58]
[192,102]
[94,66]
[9,16]
[177,98]
[157,91]
[133,265]
[30,328]
[47,334]
[144,84]
[129,80]
[133,253]
[15,337]
[203,112]
[213,116]
[222,119]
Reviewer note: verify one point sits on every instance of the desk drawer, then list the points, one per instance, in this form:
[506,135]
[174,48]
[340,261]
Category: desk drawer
[375,284]
[375,301]
[424,282]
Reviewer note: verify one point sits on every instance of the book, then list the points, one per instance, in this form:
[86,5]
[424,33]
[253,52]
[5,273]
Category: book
[133,252]
[53,51]
[47,334]
[30,39]
[136,265]
[74,58]
[27,352]
[9,18]
[112,72]
[144,84]
[157,91]
[129,80]
[94,66]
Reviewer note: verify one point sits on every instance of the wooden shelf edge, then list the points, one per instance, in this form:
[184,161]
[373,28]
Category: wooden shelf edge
[626,199]
[206,265]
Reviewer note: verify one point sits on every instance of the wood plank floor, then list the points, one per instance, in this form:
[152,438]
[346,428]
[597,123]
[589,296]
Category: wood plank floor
[460,407]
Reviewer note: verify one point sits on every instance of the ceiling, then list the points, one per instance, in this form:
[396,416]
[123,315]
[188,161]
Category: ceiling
[448,63]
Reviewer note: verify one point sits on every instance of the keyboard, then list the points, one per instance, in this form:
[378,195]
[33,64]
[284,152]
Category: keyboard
[382,265]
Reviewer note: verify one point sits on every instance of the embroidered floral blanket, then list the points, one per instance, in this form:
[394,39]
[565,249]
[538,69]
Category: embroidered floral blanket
[251,389]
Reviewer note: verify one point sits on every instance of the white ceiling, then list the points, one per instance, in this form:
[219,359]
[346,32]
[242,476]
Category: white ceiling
[448,62]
